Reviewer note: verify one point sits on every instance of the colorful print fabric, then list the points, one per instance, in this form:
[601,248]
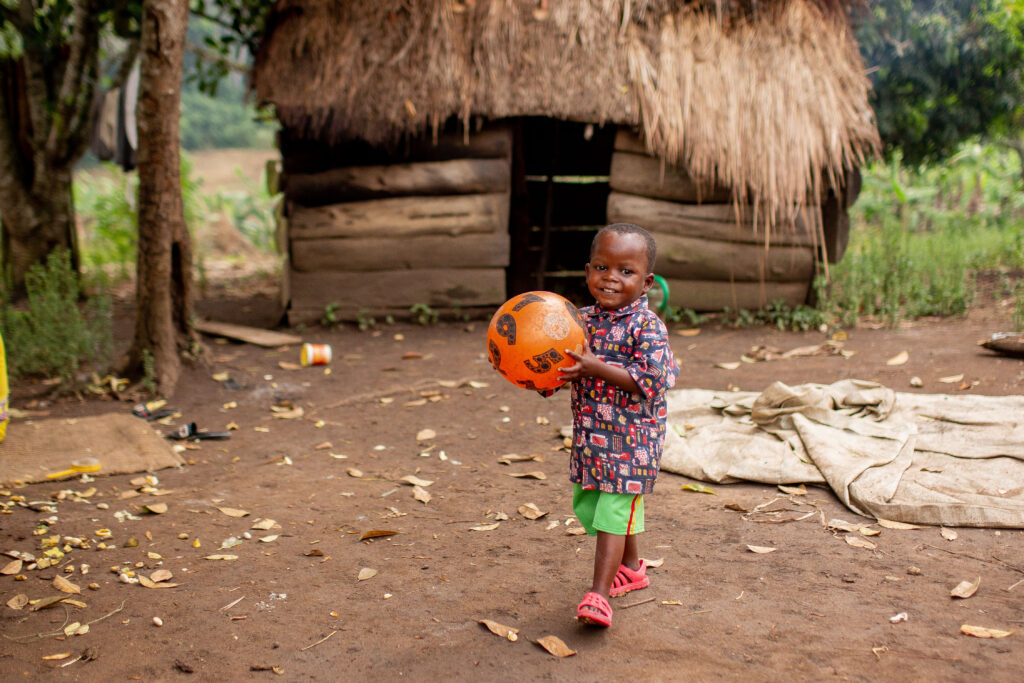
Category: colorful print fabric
[617,436]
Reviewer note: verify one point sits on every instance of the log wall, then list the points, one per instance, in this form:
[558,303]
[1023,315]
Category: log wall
[713,253]
[378,238]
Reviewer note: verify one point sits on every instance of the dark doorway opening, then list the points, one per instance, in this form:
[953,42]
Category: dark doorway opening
[559,200]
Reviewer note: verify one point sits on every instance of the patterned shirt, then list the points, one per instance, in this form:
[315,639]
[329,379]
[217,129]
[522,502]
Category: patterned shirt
[618,436]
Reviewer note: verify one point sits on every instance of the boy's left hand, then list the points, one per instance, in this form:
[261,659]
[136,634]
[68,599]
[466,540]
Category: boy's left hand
[586,364]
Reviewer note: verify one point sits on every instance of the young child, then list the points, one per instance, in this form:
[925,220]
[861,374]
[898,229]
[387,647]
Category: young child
[618,404]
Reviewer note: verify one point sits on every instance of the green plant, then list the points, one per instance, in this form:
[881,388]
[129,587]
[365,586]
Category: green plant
[148,381]
[55,336]
[330,318]
[1018,308]
[364,320]
[688,315]
[423,314]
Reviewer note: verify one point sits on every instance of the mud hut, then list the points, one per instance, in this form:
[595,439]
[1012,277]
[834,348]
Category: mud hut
[453,152]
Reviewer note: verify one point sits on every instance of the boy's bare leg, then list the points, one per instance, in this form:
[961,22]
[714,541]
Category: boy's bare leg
[631,553]
[607,558]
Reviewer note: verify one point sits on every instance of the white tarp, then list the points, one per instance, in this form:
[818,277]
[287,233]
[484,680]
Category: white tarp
[954,460]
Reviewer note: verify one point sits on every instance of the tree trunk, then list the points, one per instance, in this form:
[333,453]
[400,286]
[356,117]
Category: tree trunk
[164,287]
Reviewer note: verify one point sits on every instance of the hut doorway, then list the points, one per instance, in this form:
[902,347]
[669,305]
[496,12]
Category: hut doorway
[560,172]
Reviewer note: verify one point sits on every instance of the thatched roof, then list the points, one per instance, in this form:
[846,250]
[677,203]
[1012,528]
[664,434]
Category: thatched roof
[763,96]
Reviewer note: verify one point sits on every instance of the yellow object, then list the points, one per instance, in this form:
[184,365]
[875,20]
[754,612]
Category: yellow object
[77,466]
[315,354]
[3,391]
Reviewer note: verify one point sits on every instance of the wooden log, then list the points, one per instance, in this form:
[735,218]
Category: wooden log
[398,288]
[715,295]
[695,258]
[252,335]
[650,177]
[402,217]
[355,183]
[375,253]
[627,140]
[835,223]
[711,221]
[301,155]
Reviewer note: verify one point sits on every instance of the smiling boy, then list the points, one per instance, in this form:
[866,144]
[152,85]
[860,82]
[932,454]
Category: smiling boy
[618,404]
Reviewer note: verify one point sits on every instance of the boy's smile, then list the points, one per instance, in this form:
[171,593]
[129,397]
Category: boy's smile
[618,273]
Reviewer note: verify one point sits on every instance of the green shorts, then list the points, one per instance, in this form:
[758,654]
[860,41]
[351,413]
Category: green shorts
[621,514]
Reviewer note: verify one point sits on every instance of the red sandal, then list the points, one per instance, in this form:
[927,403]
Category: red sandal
[627,580]
[595,610]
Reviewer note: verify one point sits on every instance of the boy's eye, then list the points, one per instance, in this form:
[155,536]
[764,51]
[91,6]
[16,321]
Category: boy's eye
[626,271]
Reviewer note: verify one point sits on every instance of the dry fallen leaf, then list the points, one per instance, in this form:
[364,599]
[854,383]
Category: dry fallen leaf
[366,573]
[890,524]
[843,525]
[965,589]
[12,567]
[728,366]
[735,506]
[760,549]
[263,524]
[413,480]
[377,533]
[221,557]
[655,563]
[486,527]
[354,472]
[59,655]
[527,475]
[510,458]
[952,379]
[983,632]
[794,490]
[899,359]
[18,601]
[531,511]
[421,494]
[555,646]
[692,332]
[285,365]
[156,508]
[269,539]
[868,531]
[233,512]
[65,586]
[425,435]
[501,630]
[948,534]
[160,575]
[858,542]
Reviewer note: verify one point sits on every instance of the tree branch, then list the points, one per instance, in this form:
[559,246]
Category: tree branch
[79,78]
[208,55]
[36,99]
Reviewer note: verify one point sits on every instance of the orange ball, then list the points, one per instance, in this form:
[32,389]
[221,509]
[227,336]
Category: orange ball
[528,336]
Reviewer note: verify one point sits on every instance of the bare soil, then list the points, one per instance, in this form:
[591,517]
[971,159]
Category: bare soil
[815,608]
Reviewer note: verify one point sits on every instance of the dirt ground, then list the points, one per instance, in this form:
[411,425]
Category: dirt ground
[294,604]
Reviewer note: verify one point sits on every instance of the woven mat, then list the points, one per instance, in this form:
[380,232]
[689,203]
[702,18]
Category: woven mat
[121,443]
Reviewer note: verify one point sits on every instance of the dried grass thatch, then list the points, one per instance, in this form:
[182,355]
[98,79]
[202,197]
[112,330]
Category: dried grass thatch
[766,97]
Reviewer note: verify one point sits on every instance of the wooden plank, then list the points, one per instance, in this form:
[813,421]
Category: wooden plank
[649,177]
[252,335]
[399,288]
[301,155]
[711,221]
[377,253]
[715,295]
[627,140]
[695,258]
[355,183]
[311,316]
[402,217]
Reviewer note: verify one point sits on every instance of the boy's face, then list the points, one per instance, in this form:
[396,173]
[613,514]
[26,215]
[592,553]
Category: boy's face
[618,273]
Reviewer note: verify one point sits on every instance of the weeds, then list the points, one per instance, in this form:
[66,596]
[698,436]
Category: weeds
[54,336]
[1018,308]
[423,314]
[330,318]
[364,320]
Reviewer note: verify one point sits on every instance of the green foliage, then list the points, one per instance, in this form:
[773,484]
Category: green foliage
[943,71]
[687,315]
[920,235]
[214,123]
[251,211]
[330,318]
[364,320]
[54,336]
[423,314]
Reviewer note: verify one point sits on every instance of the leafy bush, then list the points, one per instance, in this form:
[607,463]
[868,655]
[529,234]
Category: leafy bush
[55,336]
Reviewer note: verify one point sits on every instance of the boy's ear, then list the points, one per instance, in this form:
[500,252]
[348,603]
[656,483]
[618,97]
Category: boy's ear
[648,282]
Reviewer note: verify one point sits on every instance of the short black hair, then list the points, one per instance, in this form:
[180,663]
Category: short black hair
[630,229]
